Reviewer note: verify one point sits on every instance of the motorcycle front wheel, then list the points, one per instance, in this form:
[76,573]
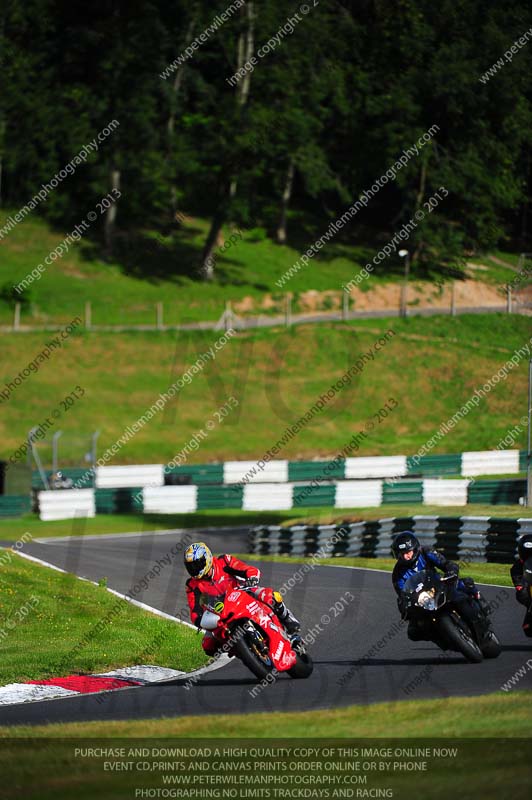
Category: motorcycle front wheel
[252,656]
[459,639]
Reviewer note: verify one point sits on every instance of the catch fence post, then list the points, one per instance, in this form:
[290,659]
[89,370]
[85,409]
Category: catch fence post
[88,315]
[288,310]
[453,299]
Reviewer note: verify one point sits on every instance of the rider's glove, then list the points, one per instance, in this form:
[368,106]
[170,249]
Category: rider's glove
[402,605]
[250,583]
[451,569]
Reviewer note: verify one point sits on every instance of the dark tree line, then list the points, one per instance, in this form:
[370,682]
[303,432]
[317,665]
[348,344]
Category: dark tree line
[297,139]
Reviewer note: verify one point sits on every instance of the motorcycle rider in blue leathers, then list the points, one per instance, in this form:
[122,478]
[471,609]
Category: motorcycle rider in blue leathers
[412,558]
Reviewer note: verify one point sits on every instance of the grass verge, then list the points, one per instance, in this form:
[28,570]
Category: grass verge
[11,530]
[493,715]
[498,574]
[54,624]
[450,762]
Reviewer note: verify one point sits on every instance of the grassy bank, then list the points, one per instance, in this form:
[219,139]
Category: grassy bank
[54,624]
[428,367]
[152,267]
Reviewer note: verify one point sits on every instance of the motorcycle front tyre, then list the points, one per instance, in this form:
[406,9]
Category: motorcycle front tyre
[460,640]
[257,665]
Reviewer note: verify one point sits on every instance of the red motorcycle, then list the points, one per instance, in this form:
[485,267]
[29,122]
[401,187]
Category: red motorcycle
[251,631]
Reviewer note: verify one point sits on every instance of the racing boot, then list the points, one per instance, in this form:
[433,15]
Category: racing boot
[416,631]
[478,613]
[290,623]
[419,631]
[486,636]
[474,595]
[484,605]
[478,618]
[484,612]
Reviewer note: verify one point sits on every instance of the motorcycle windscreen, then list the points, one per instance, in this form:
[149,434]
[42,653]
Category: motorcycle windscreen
[424,579]
[212,602]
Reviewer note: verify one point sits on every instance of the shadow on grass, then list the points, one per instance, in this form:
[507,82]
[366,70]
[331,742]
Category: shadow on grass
[154,257]
[174,255]
[149,257]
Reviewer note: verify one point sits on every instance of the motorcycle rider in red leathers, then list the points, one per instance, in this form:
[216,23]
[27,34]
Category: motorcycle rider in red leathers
[218,575]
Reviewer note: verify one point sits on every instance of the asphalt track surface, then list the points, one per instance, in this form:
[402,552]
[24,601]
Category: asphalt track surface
[361,654]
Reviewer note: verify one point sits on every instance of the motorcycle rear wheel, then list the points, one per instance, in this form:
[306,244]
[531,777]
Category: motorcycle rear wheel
[303,666]
[459,639]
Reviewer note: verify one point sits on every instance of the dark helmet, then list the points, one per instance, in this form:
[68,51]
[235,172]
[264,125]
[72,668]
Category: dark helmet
[524,546]
[403,543]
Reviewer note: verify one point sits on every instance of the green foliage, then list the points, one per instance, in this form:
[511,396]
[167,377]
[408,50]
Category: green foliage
[340,97]
[9,295]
